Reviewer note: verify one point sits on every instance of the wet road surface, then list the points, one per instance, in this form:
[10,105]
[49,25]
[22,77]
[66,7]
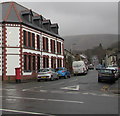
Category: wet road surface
[76,95]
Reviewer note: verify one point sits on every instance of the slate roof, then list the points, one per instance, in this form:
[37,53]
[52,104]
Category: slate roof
[13,12]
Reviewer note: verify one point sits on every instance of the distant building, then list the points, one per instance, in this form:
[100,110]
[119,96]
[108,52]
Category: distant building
[84,58]
[111,59]
[68,58]
[118,58]
[95,61]
[28,41]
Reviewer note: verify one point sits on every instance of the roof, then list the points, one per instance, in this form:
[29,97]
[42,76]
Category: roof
[13,12]
[83,56]
[54,25]
[67,51]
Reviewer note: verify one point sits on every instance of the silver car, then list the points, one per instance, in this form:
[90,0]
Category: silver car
[47,74]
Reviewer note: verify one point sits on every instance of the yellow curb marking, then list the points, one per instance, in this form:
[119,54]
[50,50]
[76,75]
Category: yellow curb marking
[105,88]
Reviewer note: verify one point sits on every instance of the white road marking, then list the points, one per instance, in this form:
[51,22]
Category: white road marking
[43,91]
[93,94]
[105,95]
[65,101]
[70,92]
[31,88]
[75,87]
[9,100]
[26,112]
[38,87]
[85,93]
[74,92]
[25,89]
[39,99]
[9,89]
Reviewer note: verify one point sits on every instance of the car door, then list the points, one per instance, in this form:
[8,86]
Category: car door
[54,73]
[66,71]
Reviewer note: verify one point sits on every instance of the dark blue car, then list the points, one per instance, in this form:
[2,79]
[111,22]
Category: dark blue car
[107,75]
[63,72]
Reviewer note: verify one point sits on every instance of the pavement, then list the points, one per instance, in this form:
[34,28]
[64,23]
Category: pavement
[115,88]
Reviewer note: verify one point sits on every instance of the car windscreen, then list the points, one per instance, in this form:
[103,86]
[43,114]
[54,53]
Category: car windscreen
[77,65]
[113,66]
[43,70]
[106,71]
[57,69]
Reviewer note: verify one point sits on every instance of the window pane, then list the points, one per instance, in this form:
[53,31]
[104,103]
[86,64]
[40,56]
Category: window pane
[34,63]
[33,40]
[29,39]
[29,63]
[24,37]
[43,43]
[25,62]
[46,44]
[38,62]
[38,42]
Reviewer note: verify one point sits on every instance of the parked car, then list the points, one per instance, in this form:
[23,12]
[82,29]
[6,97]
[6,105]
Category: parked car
[107,75]
[115,68]
[63,72]
[90,66]
[118,72]
[47,74]
[79,67]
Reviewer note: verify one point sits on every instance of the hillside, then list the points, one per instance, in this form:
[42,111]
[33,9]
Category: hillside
[83,42]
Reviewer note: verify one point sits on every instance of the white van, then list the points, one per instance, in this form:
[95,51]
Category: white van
[79,67]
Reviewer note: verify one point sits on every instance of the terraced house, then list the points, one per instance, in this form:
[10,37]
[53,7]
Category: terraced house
[27,41]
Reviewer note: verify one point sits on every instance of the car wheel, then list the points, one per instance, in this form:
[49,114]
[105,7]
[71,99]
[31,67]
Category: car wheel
[38,80]
[58,78]
[85,72]
[52,79]
[65,77]
[69,76]
[99,80]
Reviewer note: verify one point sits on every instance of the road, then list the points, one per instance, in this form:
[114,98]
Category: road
[76,95]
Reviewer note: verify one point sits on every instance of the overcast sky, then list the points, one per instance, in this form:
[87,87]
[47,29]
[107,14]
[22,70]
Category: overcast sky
[76,18]
[79,18]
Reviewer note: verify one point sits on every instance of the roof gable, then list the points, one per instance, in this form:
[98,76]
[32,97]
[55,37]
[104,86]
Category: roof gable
[5,9]
[12,13]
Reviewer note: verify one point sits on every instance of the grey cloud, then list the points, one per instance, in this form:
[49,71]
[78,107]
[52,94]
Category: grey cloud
[81,17]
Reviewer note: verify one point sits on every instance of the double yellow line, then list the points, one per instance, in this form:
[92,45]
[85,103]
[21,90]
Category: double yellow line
[105,88]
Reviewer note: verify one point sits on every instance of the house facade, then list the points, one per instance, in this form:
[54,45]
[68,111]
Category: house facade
[68,59]
[27,41]
[111,59]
